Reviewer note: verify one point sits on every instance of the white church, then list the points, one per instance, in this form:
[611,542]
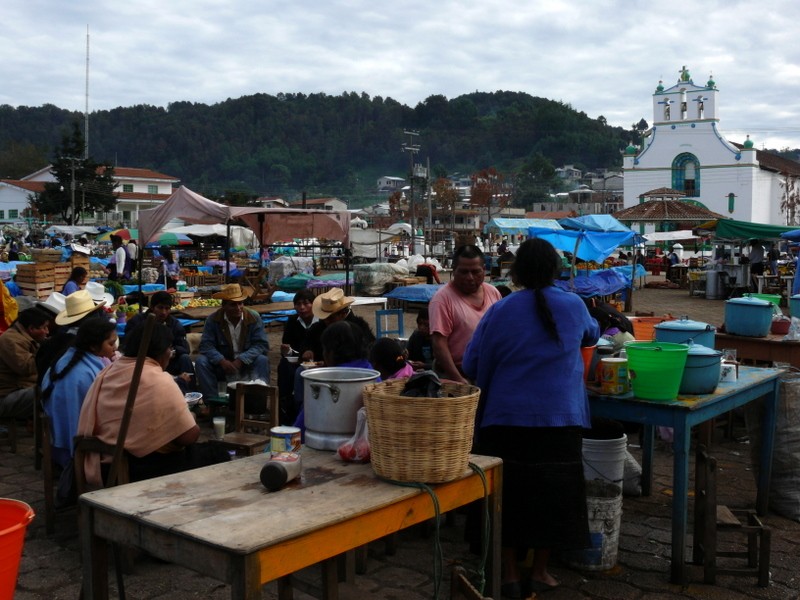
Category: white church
[685,150]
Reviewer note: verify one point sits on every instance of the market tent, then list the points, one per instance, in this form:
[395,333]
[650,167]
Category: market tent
[586,245]
[594,223]
[73,230]
[287,224]
[669,236]
[183,204]
[728,229]
[368,243]
[518,226]
[241,237]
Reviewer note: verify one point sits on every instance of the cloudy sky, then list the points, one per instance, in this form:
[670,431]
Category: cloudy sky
[603,57]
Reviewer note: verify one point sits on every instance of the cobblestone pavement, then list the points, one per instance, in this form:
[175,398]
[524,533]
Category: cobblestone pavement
[50,567]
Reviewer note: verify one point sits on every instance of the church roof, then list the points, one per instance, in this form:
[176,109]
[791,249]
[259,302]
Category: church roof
[773,162]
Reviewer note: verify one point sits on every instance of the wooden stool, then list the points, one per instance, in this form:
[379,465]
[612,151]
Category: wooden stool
[711,519]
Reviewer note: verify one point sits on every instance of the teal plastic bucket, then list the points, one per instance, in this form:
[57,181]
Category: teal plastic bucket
[656,369]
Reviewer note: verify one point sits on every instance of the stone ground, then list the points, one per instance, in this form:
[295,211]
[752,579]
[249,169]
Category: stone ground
[50,567]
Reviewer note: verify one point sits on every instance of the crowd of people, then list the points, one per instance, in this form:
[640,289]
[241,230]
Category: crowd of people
[508,344]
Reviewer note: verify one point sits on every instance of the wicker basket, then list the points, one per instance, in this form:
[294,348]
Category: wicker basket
[425,440]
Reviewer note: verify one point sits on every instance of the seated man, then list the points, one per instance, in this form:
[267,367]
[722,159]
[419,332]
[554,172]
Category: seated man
[234,345]
[180,365]
[18,347]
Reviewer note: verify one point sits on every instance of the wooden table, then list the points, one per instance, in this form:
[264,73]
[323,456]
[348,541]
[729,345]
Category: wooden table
[203,312]
[682,414]
[221,522]
[768,349]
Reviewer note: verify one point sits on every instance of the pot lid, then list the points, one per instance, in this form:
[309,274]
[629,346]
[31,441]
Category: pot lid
[749,301]
[340,374]
[684,324]
[700,350]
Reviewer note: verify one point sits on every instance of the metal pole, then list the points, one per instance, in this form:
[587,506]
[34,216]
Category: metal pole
[72,192]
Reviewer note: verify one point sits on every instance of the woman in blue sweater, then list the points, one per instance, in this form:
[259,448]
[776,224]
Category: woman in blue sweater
[525,357]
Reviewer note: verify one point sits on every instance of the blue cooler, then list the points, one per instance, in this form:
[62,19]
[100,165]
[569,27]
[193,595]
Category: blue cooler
[748,316]
[686,331]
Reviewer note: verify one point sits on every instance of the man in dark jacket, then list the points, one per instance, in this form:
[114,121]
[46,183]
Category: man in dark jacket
[180,365]
[234,345]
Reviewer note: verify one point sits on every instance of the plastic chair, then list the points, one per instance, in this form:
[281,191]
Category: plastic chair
[383,322]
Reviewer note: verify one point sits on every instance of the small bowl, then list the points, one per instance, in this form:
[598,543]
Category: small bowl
[293,359]
[192,398]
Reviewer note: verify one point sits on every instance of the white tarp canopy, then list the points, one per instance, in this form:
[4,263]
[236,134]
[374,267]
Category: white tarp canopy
[269,224]
[73,230]
[240,236]
[668,236]
[368,243]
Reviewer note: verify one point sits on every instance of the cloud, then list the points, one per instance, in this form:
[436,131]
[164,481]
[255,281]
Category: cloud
[602,58]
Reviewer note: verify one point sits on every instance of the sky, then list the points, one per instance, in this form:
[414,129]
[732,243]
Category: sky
[602,57]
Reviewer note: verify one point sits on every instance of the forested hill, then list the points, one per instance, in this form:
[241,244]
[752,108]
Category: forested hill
[333,145]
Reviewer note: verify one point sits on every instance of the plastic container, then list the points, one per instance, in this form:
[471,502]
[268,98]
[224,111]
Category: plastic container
[702,371]
[605,459]
[794,306]
[774,298]
[587,354]
[656,368]
[604,504]
[614,376]
[14,519]
[685,331]
[750,317]
[280,470]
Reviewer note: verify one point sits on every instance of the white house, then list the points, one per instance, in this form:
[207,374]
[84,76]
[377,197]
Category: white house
[138,189]
[321,204]
[389,184]
[686,150]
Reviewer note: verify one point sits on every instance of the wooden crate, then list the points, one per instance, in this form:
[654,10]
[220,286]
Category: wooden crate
[46,255]
[35,273]
[40,291]
[61,272]
[79,260]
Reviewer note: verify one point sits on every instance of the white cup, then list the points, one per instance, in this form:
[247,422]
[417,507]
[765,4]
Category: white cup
[219,428]
[222,388]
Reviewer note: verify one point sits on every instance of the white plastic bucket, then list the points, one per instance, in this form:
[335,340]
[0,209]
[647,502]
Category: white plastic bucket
[605,459]
[604,504]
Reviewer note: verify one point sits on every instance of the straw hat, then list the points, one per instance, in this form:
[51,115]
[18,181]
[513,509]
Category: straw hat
[55,303]
[330,302]
[78,305]
[98,293]
[233,292]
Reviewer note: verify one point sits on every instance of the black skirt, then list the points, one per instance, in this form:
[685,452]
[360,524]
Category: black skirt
[544,491]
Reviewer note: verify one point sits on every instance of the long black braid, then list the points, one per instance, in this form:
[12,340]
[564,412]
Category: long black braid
[91,333]
[535,267]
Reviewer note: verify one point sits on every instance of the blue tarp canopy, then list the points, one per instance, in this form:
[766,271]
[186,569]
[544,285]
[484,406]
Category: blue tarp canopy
[792,236]
[602,282]
[594,223]
[518,226]
[422,292]
[586,245]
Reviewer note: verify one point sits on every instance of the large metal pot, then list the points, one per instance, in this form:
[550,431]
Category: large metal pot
[332,397]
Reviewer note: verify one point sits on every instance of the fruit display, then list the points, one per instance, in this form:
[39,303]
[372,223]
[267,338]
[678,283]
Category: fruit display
[198,302]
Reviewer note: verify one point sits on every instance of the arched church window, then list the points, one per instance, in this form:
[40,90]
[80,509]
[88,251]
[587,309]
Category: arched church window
[666,110]
[686,174]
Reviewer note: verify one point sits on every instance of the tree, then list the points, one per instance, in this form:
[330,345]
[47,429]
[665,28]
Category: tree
[446,198]
[395,206]
[488,189]
[89,184]
[534,181]
[18,160]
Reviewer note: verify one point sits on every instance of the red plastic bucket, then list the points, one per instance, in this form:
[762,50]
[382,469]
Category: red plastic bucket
[587,354]
[14,519]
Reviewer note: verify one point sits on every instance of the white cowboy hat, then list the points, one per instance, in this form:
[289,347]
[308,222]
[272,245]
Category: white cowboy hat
[55,303]
[330,302]
[78,305]
[233,292]
[99,293]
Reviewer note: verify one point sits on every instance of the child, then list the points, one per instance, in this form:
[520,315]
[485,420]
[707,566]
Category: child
[387,357]
[420,350]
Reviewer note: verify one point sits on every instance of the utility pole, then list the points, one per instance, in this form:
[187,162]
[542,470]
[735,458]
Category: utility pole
[412,149]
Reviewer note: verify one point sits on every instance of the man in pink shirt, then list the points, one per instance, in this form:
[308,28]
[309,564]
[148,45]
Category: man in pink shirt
[456,309]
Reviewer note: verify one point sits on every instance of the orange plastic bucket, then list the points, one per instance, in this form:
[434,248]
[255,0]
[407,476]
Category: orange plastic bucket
[14,519]
[587,353]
